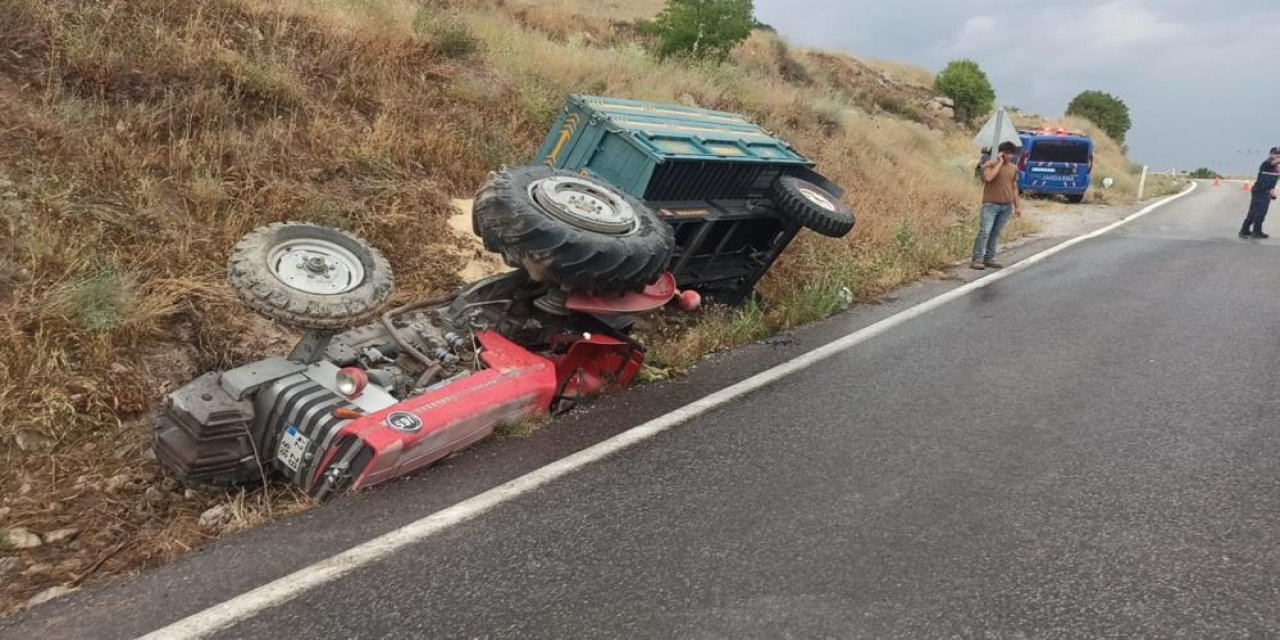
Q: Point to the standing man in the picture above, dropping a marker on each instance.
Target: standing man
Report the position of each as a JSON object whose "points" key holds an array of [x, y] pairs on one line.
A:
{"points": [[999, 202], [1264, 191]]}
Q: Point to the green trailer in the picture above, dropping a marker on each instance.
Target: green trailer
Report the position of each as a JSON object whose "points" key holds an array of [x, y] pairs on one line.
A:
{"points": [[734, 194]]}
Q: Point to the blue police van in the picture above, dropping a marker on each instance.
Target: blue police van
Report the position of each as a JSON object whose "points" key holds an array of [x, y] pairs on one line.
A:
{"points": [[1055, 162]]}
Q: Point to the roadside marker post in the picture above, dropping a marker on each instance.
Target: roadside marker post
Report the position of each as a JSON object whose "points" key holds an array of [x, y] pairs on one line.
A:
{"points": [[1000, 128]]}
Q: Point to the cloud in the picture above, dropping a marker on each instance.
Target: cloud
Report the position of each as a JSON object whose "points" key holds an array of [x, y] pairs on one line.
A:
{"points": [[1102, 30], [1191, 71], [976, 33], [1120, 25]]}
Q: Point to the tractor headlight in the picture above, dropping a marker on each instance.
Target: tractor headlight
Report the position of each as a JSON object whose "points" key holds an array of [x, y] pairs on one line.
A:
{"points": [[352, 381]]}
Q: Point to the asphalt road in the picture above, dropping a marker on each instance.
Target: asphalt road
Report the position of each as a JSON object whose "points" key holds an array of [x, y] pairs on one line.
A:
{"points": [[1088, 448]]}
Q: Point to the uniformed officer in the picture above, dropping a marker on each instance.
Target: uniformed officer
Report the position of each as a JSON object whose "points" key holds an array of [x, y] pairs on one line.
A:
{"points": [[1264, 191]]}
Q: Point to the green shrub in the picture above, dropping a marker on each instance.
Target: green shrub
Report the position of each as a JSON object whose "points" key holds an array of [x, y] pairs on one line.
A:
{"points": [[899, 107], [96, 302], [264, 80], [449, 35], [1104, 110], [966, 83], [702, 29]]}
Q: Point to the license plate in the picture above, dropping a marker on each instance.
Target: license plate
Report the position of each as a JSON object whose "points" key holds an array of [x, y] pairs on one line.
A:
{"points": [[293, 445]]}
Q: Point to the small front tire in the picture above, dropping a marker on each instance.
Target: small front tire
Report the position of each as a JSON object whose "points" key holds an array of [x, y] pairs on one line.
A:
{"points": [[309, 277], [811, 206]]}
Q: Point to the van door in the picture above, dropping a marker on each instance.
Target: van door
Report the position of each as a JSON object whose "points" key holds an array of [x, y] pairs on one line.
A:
{"points": [[1057, 165]]}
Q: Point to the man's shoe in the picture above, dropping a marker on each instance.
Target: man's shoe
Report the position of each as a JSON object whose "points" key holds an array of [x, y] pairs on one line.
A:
{"points": [[1260, 235], [992, 264], [977, 266], [1246, 234]]}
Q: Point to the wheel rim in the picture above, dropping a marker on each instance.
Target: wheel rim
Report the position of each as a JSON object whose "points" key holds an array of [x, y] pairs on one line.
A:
{"points": [[818, 198], [316, 267], [584, 204]]}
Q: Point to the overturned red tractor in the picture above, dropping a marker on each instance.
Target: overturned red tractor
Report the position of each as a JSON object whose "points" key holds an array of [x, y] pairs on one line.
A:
{"points": [[633, 202]]}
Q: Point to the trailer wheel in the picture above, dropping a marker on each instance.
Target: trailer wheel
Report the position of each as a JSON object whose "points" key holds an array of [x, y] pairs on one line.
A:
{"points": [[309, 277], [811, 206], [571, 230]]}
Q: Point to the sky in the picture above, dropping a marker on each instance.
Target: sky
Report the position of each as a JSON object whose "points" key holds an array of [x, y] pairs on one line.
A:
{"points": [[1201, 77]]}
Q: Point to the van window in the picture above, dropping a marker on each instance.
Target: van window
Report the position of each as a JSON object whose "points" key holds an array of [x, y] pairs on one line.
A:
{"points": [[1060, 151]]}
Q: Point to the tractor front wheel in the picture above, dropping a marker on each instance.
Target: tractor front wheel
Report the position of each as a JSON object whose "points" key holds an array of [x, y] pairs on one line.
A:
{"points": [[309, 277]]}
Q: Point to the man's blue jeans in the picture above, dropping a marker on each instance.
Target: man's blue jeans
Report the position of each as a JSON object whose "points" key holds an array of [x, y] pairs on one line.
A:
{"points": [[994, 218]]}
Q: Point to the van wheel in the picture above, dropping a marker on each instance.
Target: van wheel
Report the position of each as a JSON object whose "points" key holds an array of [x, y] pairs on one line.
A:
{"points": [[1076, 199]]}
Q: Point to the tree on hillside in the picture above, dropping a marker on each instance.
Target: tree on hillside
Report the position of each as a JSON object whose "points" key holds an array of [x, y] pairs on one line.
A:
{"points": [[1204, 173], [966, 83], [704, 29], [1105, 110]]}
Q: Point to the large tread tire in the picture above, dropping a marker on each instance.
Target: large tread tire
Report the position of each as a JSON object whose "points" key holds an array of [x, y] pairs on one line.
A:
{"points": [[512, 224], [251, 276], [789, 195]]}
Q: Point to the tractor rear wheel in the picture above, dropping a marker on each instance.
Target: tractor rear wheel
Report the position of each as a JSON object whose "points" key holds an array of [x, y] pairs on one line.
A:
{"points": [[574, 231]]}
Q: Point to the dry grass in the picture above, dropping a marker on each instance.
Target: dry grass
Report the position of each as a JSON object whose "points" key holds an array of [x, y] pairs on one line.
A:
{"points": [[521, 428], [606, 22], [905, 73], [1159, 186], [140, 138], [598, 10]]}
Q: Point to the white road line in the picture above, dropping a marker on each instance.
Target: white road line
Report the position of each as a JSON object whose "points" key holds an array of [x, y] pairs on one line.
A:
{"points": [[279, 591]]}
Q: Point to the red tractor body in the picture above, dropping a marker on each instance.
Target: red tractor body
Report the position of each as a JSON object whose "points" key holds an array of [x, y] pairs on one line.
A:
{"points": [[296, 419], [514, 386]]}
